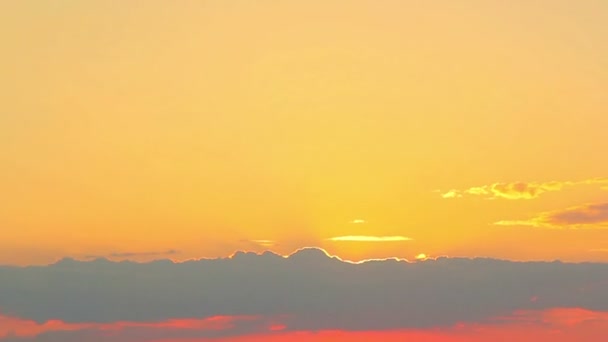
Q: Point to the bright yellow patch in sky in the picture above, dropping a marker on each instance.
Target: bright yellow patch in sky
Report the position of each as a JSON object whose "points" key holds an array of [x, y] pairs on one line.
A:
{"points": [[200, 126]]}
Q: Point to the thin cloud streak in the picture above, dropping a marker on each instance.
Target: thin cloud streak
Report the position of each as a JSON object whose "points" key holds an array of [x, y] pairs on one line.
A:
{"points": [[368, 238], [168, 252], [452, 194], [265, 243], [592, 215], [358, 221], [28, 328], [520, 190], [556, 324]]}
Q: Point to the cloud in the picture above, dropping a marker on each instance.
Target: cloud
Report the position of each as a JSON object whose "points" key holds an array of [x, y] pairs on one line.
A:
{"points": [[367, 238], [14, 329], [588, 214], [11, 326], [532, 223], [309, 290], [556, 325], [265, 243], [358, 221], [594, 215], [519, 190], [134, 254], [452, 194]]}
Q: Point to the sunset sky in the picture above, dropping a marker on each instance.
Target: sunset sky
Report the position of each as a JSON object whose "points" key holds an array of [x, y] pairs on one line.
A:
{"points": [[144, 130], [200, 125]]}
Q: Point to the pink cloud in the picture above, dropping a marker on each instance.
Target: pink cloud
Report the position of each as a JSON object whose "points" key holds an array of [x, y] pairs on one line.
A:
{"points": [[13, 326], [558, 325]]}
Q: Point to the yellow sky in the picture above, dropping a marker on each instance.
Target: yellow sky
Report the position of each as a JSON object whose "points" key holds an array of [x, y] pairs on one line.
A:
{"points": [[202, 125]]}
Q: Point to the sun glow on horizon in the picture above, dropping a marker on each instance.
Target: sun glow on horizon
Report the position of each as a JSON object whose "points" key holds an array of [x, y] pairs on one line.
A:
{"points": [[421, 256]]}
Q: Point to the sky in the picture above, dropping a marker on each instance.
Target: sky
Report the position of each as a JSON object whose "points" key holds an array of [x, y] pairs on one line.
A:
{"points": [[203, 125], [372, 129]]}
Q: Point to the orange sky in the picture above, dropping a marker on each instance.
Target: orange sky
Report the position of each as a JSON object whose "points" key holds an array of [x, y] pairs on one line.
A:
{"points": [[201, 126]]}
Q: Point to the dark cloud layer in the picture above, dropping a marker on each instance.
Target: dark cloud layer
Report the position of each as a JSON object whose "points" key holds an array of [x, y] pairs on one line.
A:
{"points": [[309, 289]]}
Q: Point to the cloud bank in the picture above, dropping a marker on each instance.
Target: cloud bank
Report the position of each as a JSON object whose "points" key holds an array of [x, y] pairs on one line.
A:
{"points": [[310, 290]]}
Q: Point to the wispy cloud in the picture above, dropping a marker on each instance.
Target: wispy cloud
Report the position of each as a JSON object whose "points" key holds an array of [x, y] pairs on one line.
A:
{"points": [[451, 194], [519, 190], [29, 328], [599, 250], [369, 238], [265, 243], [121, 255], [556, 324], [594, 215]]}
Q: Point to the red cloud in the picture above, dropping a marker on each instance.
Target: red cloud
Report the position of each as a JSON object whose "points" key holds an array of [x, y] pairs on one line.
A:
{"points": [[556, 325], [12, 326], [26, 328]]}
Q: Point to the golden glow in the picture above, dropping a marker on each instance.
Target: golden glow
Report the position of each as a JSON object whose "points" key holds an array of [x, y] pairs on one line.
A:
{"points": [[421, 256], [265, 243]]}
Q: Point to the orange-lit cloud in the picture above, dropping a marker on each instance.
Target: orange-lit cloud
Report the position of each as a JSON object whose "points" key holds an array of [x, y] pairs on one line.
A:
{"points": [[519, 190], [452, 194], [594, 215], [369, 238], [566, 316], [555, 324], [11, 326], [265, 243]]}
